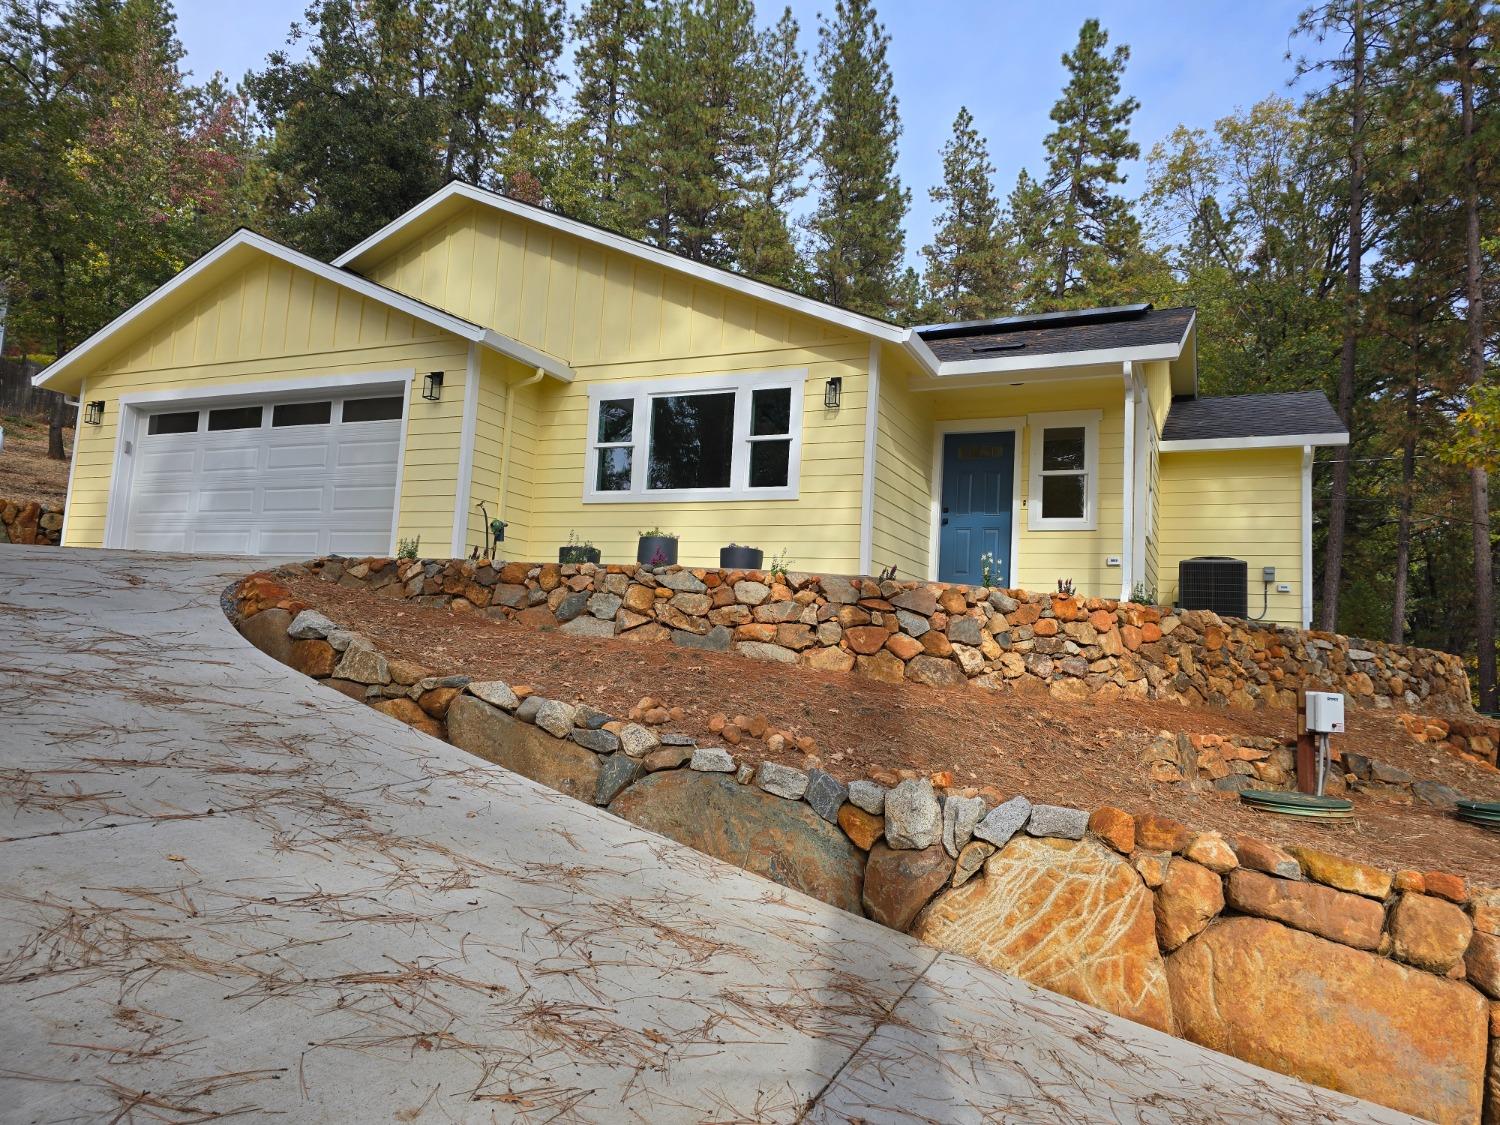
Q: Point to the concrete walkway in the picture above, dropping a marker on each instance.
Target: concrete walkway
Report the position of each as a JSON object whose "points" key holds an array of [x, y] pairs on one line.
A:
{"points": [[226, 891]]}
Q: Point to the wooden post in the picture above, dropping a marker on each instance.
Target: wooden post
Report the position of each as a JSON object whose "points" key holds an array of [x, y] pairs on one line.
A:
{"points": [[1307, 749]]}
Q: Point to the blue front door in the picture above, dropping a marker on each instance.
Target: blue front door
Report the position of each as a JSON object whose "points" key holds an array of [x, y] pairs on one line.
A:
{"points": [[978, 489]]}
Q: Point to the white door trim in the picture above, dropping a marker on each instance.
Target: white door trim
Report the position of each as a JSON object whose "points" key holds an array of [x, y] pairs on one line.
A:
{"points": [[940, 431], [133, 408]]}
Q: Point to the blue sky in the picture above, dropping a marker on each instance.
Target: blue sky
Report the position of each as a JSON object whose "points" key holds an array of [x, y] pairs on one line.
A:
{"points": [[1191, 63]]}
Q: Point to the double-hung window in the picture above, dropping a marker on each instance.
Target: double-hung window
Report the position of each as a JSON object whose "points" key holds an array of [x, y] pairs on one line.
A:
{"points": [[724, 437], [1064, 471]]}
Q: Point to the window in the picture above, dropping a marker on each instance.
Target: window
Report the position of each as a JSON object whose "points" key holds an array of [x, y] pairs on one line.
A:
{"points": [[178, 422], [372, 409], [301, 413], [714, 438], [1064, 471], [235, 418]]}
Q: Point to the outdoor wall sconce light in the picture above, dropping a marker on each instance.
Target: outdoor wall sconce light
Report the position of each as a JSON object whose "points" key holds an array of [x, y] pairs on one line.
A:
{"points": [[93, 413], [833, 390], [432, 386]]}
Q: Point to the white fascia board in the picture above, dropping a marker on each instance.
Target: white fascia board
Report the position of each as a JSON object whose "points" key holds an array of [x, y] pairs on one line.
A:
{"points": [[1279, 441], [416, 309], [1059, 360], [526, 354], [663, 258]]}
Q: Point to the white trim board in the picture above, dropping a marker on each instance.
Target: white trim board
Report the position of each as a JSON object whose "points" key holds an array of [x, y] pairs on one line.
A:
{"points": [[1225, 445], [1307, 536], [940, 432], [867, 483], [463, 486], [243, 240], [134, 407]]}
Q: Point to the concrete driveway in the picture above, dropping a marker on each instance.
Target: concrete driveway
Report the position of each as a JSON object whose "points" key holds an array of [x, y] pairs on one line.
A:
{"points": [[226, 891]]}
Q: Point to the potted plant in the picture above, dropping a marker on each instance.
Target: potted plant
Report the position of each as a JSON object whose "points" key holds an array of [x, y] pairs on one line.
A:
{"points": [[735, 557], [656, 548], [576, 552]]}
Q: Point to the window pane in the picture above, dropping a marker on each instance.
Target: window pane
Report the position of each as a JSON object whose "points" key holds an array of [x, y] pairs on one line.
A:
{"points": [[615, 419], [372, 409], [768, 463], [1062, 497], [301, 413], [692, 441], [178, 422], [614, 469], [771, 412], [235, 418], [1063, 448]]}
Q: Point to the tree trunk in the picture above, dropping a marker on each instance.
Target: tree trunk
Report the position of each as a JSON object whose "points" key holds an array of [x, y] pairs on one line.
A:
{"points": [[1338, 501], [1479, 484], [1403, 525]]}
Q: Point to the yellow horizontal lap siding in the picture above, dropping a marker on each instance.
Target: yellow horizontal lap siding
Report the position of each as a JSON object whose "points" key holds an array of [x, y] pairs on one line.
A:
{"points": [[902, 513], [1046, 556], [1245, 504], [615, 318], [272, 323]]}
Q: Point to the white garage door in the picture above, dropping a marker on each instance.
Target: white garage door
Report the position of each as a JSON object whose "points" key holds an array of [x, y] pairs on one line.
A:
{"points": [[274, 477]]}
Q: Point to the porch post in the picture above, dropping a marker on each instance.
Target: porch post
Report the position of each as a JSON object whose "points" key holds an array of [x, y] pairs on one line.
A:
{"points": [[1127, 477]]}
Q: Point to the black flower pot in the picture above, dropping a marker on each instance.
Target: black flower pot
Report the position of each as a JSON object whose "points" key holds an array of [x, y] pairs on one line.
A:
{"points": [[735, 557], [656, 550], [578, 554]]}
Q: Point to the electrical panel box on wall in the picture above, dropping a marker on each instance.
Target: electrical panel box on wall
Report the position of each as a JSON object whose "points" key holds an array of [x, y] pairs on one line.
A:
{"points": [[1325, 712]]}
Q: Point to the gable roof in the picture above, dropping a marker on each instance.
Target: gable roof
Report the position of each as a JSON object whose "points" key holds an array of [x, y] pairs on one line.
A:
{"points": [[1292, 418], [1085, 330], [228, 257], [448, 200]]}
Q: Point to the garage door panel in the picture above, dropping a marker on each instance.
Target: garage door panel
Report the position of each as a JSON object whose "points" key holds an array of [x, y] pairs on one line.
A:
{"points": [[290, 490]]}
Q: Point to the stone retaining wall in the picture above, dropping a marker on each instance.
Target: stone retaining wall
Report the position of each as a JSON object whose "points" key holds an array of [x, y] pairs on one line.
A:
{"points": [[931, 633], [31, 521], [1385, 985]]}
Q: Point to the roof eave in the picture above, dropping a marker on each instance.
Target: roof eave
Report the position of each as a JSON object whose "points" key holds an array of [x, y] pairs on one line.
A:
{"points": [[1269, 441]]}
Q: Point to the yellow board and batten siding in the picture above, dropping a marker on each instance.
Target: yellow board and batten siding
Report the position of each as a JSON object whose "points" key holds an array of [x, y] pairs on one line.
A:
{"points": [[271, 323], [1246, 504], [615, 318]]}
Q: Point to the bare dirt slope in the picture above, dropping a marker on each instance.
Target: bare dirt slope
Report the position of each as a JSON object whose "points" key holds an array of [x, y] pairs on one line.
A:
{"points": [[1020, 742], [26, 472]]}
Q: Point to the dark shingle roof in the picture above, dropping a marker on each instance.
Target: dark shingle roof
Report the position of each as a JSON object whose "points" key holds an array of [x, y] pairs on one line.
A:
{"points": [[1054, 333], [1246, 416]]}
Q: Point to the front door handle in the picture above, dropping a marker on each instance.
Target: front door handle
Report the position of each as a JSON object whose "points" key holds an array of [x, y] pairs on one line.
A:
{"points": [[945, 521]]}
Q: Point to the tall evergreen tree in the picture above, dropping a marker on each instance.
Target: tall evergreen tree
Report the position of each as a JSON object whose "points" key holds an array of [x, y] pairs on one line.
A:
{"points": [[608, 34], [858, 242], [1093, 234], [469, 82], [782, 128], [352, 142], [532, 49], [687, 142], [968, 274]]}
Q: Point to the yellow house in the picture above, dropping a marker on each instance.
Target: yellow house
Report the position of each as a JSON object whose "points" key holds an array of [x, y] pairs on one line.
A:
{"points": [[480, 358]]}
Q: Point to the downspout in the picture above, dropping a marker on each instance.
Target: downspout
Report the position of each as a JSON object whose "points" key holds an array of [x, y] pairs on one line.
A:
{"points": [[1307, 537], [867, 485], [502, 509], [1127, 474]]}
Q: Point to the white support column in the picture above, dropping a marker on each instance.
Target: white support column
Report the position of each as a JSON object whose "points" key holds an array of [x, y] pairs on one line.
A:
{"points": [[1307, 535], [463, 489], [867, 483], [1127, 477]]}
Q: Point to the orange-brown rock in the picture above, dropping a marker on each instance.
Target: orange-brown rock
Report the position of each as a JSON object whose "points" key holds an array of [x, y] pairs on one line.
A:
{"points": [[1115, 827], [313, 657], [1046, 627], [903, 646], [408, 712], [1333, 1016], [1160, 833], [1068, 916], [861, 827], [898, 883], [435, 701], [1261, 856], [829, 659], [866, 640], [1429, 933], [1212, 851], [1344, 918], [1482, 964], [1451, 887], [1342, 874], [886, 666], [1189, 898]]}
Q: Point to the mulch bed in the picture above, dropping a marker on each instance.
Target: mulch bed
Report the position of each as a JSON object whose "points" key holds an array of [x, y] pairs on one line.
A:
{"points": [[1020, 741]]}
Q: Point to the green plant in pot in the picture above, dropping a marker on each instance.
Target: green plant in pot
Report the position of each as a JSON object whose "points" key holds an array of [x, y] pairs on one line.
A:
{"points": [[656, 548], [735, 557], [576, 552]]}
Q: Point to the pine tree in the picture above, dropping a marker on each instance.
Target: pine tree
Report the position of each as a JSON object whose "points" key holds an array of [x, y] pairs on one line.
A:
{"points": [[781, 133], [687, 143], [533, 41], [1092, 231], [608, 35], [857, 227], [469, 83], [968, 274]]}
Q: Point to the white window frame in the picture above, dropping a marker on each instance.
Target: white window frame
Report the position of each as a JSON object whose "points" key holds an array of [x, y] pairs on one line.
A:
{"points": [[643, 392], [1037, 425]]}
